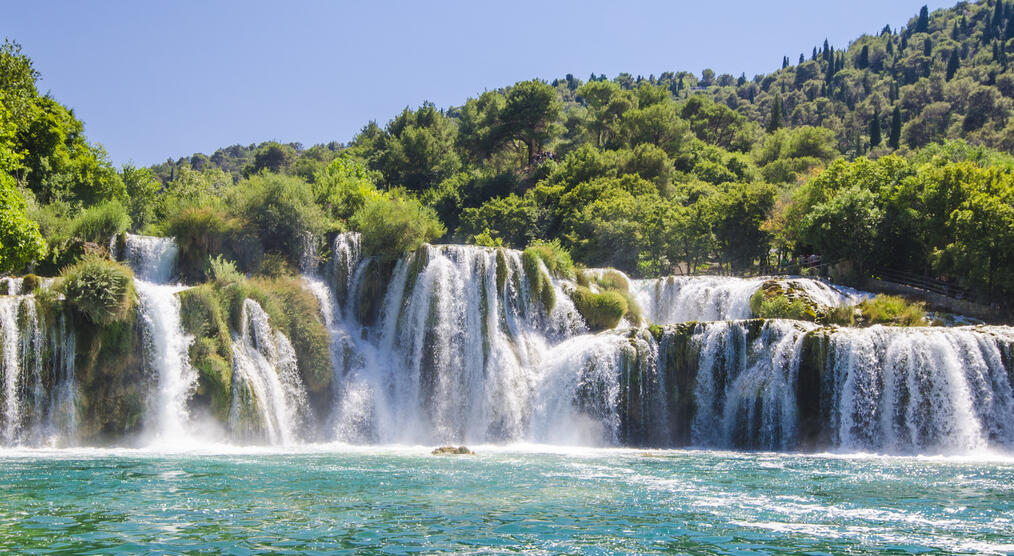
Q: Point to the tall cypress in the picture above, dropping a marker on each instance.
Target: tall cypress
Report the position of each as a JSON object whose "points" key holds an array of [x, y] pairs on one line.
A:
{"points": [[801, 58], [875, 137], [927, 48], [952, 64], [815, 54], [864, 57], [998, 14], [922, 26], [894, 141], [785, 62], [776, 115]]}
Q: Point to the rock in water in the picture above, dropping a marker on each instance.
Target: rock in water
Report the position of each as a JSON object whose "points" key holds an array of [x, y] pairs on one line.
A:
{"points": [[451, 450]]}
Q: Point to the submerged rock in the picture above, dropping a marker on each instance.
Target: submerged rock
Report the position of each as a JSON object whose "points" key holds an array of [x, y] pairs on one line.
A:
{"points": [[452, 451]]}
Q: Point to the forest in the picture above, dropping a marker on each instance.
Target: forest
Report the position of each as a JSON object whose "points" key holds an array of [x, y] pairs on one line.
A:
{"points": [[893, 153]]}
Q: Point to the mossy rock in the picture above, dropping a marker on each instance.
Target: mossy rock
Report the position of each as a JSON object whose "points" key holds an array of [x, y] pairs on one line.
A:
{"points": [[453, 451], [203, 318], [30, 283], [539, 283], [601, 311], [502, 270]]}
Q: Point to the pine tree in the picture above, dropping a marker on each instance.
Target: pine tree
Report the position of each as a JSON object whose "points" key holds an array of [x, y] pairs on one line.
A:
{"points": [[776, 115], [894, 141], [922, 26], [952, 64], [875, 137]]}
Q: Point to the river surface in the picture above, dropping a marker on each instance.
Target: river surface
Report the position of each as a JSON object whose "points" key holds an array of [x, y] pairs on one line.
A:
{"points": [[504, 499]]}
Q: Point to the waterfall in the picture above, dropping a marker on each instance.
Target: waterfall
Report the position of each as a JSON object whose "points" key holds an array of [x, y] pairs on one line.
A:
{"points": [[456, 351], [268, 399], [677, 299], [38, 391], [921, 390], [166, 345]]}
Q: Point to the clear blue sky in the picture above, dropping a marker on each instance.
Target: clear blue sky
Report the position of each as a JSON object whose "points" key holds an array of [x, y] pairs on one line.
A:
{"points": [[157, 80]]}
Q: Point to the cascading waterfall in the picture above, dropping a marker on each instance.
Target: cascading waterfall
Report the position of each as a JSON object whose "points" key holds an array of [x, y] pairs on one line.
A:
{"points": [[676, 299], [38, 394], [921, 390], [153, 259], [268, 399]]}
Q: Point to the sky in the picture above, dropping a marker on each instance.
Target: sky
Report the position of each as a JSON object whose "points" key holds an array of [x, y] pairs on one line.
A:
{"points": [[154, 81]]}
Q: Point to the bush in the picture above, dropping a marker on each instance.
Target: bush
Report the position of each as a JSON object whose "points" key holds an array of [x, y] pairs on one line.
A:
{"points": [[601, 311], [100, 289], [223, 271], [200, 233], [556, 258], [539, 283], [778, 307], [893, 310], [211, 353], [283, 212], [392, 225], [101, 222]]}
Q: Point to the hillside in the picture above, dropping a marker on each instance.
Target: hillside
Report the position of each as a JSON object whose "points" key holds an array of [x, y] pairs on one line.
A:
{"points": [[891, 153]]}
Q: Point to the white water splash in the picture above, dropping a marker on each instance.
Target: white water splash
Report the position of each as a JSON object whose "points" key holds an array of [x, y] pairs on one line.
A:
{"points": [[268, 398], [167, 346]]}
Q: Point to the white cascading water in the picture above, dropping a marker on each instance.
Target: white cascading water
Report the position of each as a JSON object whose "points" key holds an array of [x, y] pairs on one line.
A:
{"points": [[167, 346], [676, 299], [745, 391], [268, 398], [922, 390], [38, 394]]}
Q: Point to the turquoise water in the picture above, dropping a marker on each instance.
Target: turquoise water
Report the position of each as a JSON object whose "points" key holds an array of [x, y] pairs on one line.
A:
{"points": [[520, 499]]}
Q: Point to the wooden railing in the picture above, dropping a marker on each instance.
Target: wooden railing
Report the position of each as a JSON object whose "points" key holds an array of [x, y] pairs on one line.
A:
{"points": [[923, 283]]}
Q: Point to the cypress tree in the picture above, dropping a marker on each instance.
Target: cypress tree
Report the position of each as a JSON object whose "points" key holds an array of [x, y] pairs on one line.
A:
{"points": [[801, 58], [785, 62], [955, 32], [1008, 29], [922, 26], [827, 51], [952, 65], [815, 54], [998, 13], [927, 48], [864, 57], [904, 43], [895, 139], [776, 115], [875, 137]]}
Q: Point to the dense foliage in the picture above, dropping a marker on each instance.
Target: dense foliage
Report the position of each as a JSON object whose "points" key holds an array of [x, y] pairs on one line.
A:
{"points": [[889, 154]]}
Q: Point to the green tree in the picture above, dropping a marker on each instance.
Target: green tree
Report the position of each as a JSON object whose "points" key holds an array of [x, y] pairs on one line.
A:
{"points": [[894, 140], [142, 193], [21, 244], [875, 136], [530, 114]]}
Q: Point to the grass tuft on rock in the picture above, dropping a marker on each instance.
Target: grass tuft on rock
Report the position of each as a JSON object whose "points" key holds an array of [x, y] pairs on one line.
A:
{"points": [[99, 289], [602, 311]]}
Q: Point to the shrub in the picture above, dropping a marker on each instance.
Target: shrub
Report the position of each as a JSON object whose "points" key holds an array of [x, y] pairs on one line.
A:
{"points": [[100, 289], [612, 279], [392, 225], [211, 353], [893, 310], [224, 271], [200, 233], [283, 212], [539, 283], [30, 283], [601, 311], [275, 265], [778, 307], [556, 258], [101, 222]]}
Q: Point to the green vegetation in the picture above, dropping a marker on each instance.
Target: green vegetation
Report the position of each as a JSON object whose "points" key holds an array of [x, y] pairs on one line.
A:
{"points": [[778, 306], [553, 255], [99, 289], [883, 309], [890, 154], [601, 311]]}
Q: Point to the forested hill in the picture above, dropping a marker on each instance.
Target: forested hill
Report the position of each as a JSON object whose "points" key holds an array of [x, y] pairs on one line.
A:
{"points": [[945, 75], [892, 153]]}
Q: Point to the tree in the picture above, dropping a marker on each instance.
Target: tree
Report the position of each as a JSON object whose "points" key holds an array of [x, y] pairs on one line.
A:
{"points": [[775, 121], [922, 24], [844, 227], [529, 115], [142, 193], [894, 141], [953, 62], [875, 137], [20, 241], [417, 150]]}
